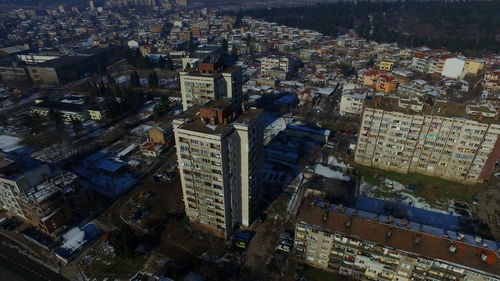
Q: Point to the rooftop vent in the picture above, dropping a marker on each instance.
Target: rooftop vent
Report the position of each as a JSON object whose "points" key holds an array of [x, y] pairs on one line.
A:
{"points": [[348, 222], [484, 256], [389, 233], [418, 240], [405, 222], [340, 208], [452, 248], [460, 236], [478, 239], [325, 216], [389, 219]]}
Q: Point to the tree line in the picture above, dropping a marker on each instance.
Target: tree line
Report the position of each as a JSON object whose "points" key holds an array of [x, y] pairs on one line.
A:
{"points": [[456, 26]]}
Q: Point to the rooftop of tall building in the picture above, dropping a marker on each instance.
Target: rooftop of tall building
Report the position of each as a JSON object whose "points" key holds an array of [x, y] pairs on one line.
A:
{"points": [[481, 114], [216, 117]]}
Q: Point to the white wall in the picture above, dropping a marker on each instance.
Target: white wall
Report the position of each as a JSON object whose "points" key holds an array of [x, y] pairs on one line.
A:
{"points": [[453, 68]]}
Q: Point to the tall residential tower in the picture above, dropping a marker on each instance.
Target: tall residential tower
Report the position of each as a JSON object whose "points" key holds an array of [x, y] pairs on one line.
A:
{"points": [[219, 150]]}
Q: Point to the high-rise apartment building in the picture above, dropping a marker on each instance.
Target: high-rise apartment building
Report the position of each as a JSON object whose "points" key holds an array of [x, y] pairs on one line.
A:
{"points": [[219, 151], [16, 178], [368, 246], [210, 82], [451, 141]]}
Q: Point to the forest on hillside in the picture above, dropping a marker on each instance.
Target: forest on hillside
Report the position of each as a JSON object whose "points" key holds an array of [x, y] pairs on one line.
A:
{"points": [[466, 27]]}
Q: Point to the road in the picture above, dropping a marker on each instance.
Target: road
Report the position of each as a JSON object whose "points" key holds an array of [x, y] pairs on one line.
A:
{"points": [[23, 266]]}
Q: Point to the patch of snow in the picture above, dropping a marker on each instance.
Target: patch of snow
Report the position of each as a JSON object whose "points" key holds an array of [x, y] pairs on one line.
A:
{"points": [[9, 143], [272, 130], [401, 193], [329, 173], [334, 162], [212, 127]]}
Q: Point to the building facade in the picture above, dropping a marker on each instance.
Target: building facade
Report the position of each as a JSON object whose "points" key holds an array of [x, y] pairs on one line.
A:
{"points": [[371, 247], [352, 102], [219, 150], [15, 178], [450, 141], [56, 204]]}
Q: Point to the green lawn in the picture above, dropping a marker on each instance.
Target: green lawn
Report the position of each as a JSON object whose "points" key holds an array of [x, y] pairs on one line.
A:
{"points": [[430, 188]]}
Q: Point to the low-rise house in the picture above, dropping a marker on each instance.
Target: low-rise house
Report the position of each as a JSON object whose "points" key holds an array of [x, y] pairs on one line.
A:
{"points": [[352, 101], [151, 149], [56, 204], [69, 111]]}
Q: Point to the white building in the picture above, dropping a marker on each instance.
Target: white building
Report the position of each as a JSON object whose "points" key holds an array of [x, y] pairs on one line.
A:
{"points": [[453, 68], [352, 102], [132, 44], [275, 63]]}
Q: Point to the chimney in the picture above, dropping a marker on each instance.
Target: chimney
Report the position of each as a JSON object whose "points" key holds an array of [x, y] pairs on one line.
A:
{"points": [[325, 216], [389, 219], [484, 256], [460, 236], [405, 222], [452, 248], [340, 208], [348, 222], [478, 239], [418, 240], [212, 121]]}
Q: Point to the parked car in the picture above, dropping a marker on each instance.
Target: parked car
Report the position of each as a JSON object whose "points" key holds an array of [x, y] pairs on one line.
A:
{"points": [[475, 199], [462, 205], [283, 248], [462, 212], [287, 242], [241, 244], [286, 235]]}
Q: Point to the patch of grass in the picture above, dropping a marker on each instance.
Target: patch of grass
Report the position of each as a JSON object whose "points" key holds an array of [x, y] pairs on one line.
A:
{"points": [[434, 190], [124, 268]]}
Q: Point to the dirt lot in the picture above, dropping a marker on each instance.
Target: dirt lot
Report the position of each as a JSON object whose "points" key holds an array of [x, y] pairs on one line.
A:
{"points": [[151, 201]]}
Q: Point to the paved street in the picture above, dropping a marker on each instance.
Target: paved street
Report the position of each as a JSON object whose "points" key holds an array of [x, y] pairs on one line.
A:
{"points": [[23, 266]]}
